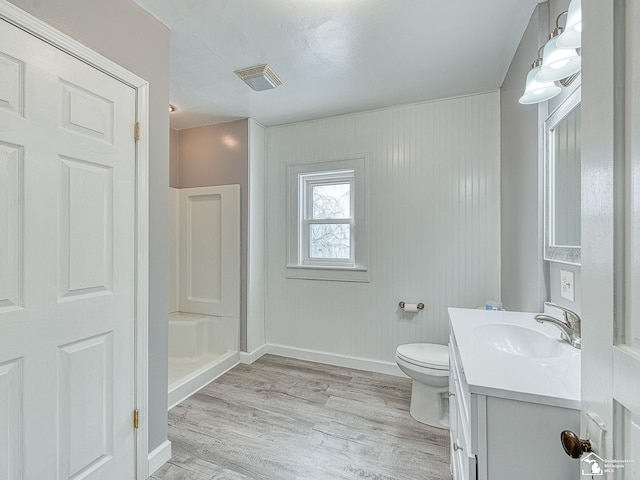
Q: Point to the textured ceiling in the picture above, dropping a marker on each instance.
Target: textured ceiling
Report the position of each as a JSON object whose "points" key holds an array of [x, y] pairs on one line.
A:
{"points": [[333, 56]]}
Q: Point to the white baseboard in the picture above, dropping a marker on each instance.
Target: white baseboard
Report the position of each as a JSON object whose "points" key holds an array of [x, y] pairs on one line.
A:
{"points": [[249, 358], [187, 386], [366, 364], [159, 456]]}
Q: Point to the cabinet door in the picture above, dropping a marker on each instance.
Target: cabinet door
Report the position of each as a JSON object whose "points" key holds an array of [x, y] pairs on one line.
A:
{"points": [[463, 460], [521, 440], [453, 428]]}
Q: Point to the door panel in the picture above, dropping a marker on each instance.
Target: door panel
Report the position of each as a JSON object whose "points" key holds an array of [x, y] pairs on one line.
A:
{"points": [[11, 187], [631, 442], [12, 79], [611, 233], [67, 205], [626, 352], [86, 113], [11, 419], [86, 228], [85, 383]]}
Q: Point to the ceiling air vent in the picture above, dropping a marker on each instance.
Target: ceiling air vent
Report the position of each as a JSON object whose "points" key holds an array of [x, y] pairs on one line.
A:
{"points": [[259, 77]]}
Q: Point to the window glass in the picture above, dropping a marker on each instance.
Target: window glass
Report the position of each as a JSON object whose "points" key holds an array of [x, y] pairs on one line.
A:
{"points": [[331, 201], [330, 241]]}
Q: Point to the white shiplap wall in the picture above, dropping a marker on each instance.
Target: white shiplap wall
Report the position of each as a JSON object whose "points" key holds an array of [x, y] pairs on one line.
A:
{"points": [[434, 200]]}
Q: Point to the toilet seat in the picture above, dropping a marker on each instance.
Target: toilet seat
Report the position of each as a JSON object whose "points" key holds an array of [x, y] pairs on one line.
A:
{"points": [[426, 355]]}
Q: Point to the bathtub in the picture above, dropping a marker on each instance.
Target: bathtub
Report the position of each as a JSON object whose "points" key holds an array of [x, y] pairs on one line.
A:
{"points": [[201, 348]]}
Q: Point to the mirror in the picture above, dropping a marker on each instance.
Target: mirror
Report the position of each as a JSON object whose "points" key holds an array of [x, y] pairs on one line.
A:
{"points": [[562, 182]]}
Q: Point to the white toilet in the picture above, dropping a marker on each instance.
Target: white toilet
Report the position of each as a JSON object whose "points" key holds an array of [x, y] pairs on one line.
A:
{"points": [[428, 365]]}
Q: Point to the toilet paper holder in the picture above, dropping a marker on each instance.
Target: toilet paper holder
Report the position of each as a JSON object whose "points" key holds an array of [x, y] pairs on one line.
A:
{"points": [[420, 305]]}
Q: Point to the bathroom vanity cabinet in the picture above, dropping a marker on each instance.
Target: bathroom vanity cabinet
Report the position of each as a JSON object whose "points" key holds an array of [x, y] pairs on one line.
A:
{"points": [[506, 422]]}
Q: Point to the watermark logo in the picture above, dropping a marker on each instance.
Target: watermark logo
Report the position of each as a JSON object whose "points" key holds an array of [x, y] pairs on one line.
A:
{"points": [[592, 464]]}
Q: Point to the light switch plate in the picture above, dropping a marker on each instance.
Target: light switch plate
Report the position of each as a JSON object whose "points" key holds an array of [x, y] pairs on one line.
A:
{"points": [[567, 285]]}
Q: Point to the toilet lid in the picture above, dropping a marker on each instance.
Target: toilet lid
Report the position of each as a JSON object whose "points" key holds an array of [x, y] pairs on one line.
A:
{"points": [[428, 355]]}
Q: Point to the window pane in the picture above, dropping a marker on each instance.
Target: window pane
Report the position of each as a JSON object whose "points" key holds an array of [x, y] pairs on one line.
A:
{"points": [[331, 241], [331, 201]]}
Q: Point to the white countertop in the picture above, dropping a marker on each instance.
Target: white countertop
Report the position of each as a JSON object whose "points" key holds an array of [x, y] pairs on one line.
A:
{"points": [[553, 380]]}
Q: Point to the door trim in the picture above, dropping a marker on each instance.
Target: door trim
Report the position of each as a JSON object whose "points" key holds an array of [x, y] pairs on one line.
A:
{"points": [[48, 34]]}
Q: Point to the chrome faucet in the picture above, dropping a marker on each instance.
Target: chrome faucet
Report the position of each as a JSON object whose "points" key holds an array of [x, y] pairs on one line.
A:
{"points": [[570, 327]]}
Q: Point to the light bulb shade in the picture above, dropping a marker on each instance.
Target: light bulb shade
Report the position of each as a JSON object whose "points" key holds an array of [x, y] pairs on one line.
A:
{"points": [[535, 91], [572, 35], [558, 63]]}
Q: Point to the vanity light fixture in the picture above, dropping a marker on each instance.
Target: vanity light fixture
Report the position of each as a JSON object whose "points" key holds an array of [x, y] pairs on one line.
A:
{"points": [[572, 35], [559, 65], [172, 108], [558, 62], [536, 91]]}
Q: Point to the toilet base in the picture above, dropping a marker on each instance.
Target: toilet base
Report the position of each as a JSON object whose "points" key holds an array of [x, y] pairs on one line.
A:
{"points": [[429, 405]]}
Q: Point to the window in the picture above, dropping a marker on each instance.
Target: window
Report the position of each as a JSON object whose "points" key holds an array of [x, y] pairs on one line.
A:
{"points": [[327, 229], [326, 218]]}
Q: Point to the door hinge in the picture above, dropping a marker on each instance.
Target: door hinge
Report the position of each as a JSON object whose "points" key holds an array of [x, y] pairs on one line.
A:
{"points": [[136, 131], [136, 418]]}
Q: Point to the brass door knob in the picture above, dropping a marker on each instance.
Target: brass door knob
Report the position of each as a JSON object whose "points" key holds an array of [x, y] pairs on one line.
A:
{"points": [[574, 446]]}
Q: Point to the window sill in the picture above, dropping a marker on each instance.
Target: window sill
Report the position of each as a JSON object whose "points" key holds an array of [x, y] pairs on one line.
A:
{"points": [[334, 273]]}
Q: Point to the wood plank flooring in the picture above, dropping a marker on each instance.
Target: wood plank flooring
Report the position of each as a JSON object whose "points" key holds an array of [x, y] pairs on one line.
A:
{"points": [[285, 419]]}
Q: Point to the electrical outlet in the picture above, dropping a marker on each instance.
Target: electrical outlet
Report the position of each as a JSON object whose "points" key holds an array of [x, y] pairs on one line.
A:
{"points": [[567, 285]]}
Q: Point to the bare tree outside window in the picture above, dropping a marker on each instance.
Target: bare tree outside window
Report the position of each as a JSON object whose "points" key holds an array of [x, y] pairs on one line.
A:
{"points": [[331, 240], [332, 201]]}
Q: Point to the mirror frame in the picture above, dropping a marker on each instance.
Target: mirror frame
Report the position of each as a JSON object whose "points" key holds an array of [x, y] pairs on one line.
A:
{"points": [[555, 253]]}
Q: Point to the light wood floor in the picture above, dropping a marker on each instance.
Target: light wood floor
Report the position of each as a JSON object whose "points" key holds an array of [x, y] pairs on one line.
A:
{"points": [[282, 419]]}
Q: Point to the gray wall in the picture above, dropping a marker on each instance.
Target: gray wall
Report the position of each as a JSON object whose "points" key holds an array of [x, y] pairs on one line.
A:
{"points": [[218, 155], [174, 173], [128, 35], [553, 280], [523, 279], [527, 280]]}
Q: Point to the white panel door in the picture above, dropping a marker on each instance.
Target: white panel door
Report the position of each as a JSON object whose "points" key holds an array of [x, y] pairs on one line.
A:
{"points": [[67, 172], [611, 238], [626, 350], [210, 250]]}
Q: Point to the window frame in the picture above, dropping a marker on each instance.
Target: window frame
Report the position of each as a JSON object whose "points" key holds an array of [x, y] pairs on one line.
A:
{"points": [[302, 178], [307, 183]]}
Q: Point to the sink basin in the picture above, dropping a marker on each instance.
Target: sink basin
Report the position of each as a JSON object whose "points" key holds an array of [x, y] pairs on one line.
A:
{"points": [[519, 341]]}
